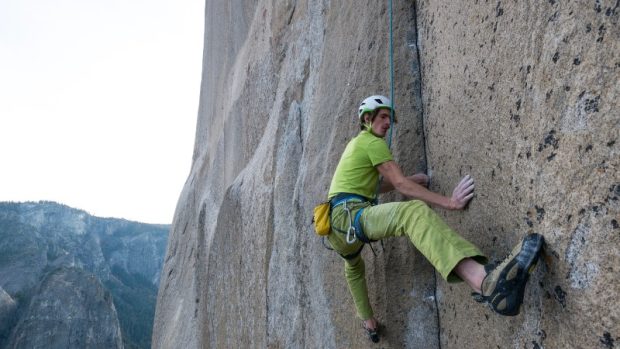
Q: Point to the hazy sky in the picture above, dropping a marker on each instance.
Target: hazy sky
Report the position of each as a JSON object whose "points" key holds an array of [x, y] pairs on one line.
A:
{"points": [[98, 103]]}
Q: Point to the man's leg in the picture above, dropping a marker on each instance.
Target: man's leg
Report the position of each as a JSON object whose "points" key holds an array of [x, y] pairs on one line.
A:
{"points": [[471, 272], [355, 273], [443, 247], [354, 268], [502, 286]]}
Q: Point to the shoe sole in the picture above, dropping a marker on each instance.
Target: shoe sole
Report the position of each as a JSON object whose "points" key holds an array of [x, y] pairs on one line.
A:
{"points": [[513, 291], [373, 335]]}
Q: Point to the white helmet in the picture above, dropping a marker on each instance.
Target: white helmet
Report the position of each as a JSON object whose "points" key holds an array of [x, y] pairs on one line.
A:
{"points": [[373, 103]]}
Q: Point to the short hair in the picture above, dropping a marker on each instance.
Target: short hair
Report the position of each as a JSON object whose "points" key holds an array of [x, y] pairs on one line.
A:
{"points": [[373, 115]]}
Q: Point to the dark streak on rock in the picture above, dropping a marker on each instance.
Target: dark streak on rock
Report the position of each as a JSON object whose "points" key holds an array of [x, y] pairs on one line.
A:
{"points": [[553, 17], [529, 222], [540, 213], [591, 104], [607, 340], [551, 140], [601, 33], [560, 296]]}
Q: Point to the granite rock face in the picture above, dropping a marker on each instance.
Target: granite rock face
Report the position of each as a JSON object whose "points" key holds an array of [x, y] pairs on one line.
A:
{"points": [[8, 307], [71, 309], [479, 89], [524, 96], [38, 239], [280, 88]]}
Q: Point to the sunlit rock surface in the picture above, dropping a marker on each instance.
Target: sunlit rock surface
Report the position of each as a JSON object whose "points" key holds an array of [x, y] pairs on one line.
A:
{"points": [[521, 96], [524, 96]]}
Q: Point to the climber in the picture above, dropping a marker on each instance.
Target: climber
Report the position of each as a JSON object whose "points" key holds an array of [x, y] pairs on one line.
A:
{"points": [[355, 220]]}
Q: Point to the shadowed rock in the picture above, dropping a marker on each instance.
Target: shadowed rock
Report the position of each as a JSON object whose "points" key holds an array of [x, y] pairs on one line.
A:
{"points": [[70, 310]]}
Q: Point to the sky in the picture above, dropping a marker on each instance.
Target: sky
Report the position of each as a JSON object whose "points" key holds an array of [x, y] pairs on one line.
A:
{"points": [[99, 102]]}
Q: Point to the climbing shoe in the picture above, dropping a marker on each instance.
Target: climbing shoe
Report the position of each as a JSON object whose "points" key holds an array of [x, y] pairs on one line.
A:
{"points": [[504, 285], [373, 334]]}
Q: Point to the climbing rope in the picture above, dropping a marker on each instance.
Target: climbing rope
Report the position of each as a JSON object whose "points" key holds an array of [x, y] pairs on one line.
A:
{"points": [[391, 89], [391, 78], [392, 109]]}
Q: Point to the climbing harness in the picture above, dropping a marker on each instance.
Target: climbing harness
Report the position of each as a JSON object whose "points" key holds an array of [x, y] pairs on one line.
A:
{"points": [[354, 231], [351, 232]]}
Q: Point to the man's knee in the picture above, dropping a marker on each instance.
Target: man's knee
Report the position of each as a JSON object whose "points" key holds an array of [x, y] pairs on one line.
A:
{"points": [[354, 263], [417, 207], [419, 204]]}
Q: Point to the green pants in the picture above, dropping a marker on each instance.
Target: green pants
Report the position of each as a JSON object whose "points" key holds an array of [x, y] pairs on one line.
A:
{"points": [[427, 231]]}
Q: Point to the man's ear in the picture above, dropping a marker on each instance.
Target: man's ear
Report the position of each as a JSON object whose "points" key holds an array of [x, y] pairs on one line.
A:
{"points": [[367, 118]]}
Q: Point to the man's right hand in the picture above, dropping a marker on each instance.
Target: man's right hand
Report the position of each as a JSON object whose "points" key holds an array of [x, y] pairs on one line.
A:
{"points": [[462, 193]]}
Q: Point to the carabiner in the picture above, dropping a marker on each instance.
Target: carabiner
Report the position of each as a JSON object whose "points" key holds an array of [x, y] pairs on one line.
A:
{"points": [[351, 226]]}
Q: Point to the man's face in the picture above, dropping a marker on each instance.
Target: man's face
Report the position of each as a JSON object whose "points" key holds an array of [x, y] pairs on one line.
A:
{"points": [[381, 124]]}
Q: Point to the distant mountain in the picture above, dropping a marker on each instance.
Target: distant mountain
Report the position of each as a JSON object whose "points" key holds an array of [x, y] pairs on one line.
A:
{"points": [[72, 280]]}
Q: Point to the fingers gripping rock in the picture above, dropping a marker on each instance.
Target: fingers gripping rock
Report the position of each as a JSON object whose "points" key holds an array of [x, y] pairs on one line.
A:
{"points": [[463, 192]]}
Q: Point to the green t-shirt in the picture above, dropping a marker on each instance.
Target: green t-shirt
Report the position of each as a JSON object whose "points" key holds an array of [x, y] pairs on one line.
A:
{"points": [[356, 172]]}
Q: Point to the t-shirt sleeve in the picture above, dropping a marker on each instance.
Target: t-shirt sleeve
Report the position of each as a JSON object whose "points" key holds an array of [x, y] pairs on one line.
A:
{"points": [[378, 152]]}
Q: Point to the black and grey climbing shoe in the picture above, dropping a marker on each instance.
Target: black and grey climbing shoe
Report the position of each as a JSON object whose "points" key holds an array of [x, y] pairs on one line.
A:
{"points": [[504, 285], [373, 334]]}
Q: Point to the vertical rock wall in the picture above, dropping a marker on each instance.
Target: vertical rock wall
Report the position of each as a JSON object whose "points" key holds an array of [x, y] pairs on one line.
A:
{"points": [[281, 83], [524, 96]]}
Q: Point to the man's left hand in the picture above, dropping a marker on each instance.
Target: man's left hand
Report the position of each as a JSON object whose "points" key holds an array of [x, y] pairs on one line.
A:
{"points": [[420, 178]]}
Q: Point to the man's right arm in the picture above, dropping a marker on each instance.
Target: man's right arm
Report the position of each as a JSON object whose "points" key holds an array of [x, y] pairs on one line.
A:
{"points": [[420, 178], [460, 196]]}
